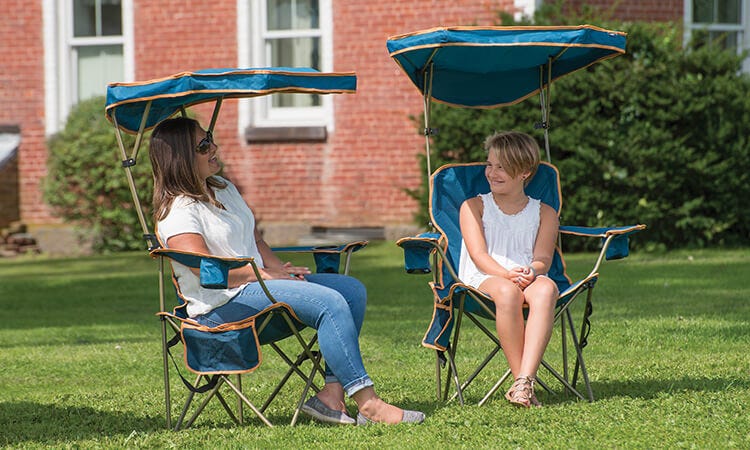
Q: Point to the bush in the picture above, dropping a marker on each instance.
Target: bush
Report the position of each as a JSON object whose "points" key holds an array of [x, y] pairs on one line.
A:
{"points": [[655, 136], [86, 184]]}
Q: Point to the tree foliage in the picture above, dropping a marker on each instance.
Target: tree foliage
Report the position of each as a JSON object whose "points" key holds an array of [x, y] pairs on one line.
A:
{"points": [[86, 184], [655, 136]]}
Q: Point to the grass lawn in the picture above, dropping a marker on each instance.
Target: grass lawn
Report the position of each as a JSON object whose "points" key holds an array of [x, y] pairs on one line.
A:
{"points": [[669, 360]]}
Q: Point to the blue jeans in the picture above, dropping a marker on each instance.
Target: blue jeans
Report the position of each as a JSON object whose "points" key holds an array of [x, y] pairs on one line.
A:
{"points": [[331, 303]]}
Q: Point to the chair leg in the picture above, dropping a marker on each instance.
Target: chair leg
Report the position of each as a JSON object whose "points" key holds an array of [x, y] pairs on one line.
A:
{"points": [[294, 367], [495, 387], [454, 376], [562, 380], [203, 404], [246, 401], [240, 409], [489, 356], [544, 386], [165, 363], [284, 379], [438, 370], [308, 384], [451, 354], [224, 403], [185, 407], [579, 359], [563, 335]]}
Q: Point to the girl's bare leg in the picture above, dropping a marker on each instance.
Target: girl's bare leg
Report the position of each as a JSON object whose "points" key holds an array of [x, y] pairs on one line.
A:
{"points": [[509, 321], [541, 296]]}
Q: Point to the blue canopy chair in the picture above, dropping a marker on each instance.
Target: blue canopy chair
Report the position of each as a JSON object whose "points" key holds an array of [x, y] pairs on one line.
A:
{"points": [[215, 354], [488, 67]]}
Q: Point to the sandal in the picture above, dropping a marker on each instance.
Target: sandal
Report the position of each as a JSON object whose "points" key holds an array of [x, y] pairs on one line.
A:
{"points": [[521, 393]]}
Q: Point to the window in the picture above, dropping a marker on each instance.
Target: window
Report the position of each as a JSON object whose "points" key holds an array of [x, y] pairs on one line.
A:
{"points": [[285, 33], [96, 46], [723, 23], [91, 45]]}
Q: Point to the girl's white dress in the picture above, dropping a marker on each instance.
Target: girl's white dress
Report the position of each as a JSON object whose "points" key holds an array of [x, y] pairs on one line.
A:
{"points": [[510, 239]]}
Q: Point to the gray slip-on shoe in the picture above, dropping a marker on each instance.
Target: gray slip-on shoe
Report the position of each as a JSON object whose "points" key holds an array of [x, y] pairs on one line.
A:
{"points": [[319, 411], [409, 417]]}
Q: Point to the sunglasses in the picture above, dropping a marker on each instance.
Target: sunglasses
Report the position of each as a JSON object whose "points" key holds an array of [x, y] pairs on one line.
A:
{"points": [[205, 144]]}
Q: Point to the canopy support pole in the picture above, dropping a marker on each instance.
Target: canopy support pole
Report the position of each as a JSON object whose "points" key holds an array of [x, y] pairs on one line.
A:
{"points": [[127, 164], [427, 103], [544, 101], [141, 128], [215, 115]]}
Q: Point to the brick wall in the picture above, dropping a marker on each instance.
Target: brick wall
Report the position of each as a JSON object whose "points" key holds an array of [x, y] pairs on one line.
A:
{"points": [[22, 99], [356, 178]]}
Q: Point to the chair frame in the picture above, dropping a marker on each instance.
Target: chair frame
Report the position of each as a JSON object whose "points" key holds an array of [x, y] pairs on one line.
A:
{"points": [[172, 321]]}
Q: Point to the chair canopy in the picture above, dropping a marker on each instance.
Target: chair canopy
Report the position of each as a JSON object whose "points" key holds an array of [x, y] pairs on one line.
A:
{"points": [[127, 103], [485, 67]]}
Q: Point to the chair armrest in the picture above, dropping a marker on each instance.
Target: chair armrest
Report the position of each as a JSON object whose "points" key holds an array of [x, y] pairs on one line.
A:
{"points": [[214, 270], [417, 251], [327, 257], [615, 240]]}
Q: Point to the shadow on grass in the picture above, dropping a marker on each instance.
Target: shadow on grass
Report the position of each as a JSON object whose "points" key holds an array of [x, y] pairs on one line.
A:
{"points": [[652, 388], [51, 425], [23, 422], [646, 389], [635, 389]]}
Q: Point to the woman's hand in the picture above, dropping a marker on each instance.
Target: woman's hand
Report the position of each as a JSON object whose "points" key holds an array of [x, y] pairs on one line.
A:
{"points": [[297, 272], [285, 272]]}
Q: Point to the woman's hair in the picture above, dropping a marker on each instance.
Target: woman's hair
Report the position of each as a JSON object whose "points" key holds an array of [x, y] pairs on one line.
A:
{"points": [[172, 153], [517, 152]]}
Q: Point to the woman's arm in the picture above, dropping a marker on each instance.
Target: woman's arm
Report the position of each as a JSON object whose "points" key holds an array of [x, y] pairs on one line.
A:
{"points": [[194, 243], [274, 264], [472, 230]]}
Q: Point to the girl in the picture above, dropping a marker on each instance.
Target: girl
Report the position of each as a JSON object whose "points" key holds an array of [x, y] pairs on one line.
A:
{"points": [[508, 243]]}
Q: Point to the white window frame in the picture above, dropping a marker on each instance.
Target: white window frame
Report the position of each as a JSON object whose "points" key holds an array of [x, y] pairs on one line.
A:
{"points": [[61, 79], [742, 29], [258, 112]]}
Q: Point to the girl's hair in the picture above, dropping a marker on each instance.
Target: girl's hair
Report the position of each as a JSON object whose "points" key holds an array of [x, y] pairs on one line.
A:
{"points": [[172, 153], [517, 152]]}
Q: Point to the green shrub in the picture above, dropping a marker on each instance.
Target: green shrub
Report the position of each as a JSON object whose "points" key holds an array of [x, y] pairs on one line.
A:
{"points": [[86, 184], [655, 136]]}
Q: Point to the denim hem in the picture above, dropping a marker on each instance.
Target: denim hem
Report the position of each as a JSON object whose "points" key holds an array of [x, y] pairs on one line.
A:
{"points": [[357, 385]]}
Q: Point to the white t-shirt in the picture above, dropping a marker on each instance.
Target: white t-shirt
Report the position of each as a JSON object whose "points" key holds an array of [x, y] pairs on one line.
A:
{"points": [[510, 239], [228, 232]]}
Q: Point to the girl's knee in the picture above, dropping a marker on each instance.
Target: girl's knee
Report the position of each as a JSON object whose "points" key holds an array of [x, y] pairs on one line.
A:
{"points": [[548, 287], [543, 293], [505, 293]]}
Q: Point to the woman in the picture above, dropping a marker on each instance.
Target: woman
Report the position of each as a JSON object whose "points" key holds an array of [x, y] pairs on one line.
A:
{"points": [[508, 243], [197, 211]]}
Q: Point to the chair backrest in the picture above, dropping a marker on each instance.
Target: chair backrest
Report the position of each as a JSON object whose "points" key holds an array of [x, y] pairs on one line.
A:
{"points": [[452, 184]]}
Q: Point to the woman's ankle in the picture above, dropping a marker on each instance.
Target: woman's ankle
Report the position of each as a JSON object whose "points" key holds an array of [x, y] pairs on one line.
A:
{"points": [[332, 395], [377, 410]]}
